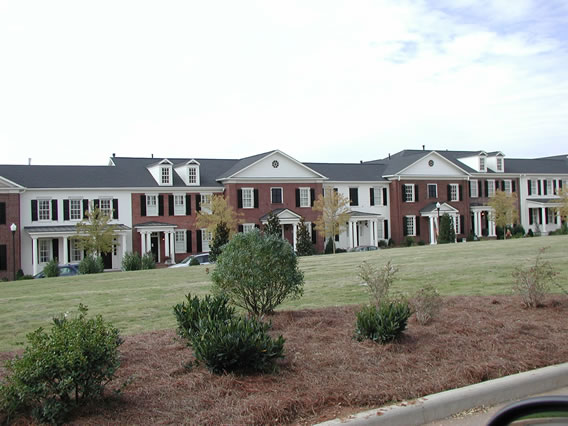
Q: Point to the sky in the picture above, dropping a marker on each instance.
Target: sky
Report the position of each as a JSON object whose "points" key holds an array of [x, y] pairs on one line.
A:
{"points": [[323, 81]]}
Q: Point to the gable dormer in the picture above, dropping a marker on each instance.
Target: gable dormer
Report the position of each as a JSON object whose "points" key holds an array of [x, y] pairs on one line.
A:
{"points": [[477, 161], [162, 172], [189, 172], [496, 162]]}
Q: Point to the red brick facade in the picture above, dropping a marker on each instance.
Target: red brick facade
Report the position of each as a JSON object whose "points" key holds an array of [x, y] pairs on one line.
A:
{"points": [[11, 207]]}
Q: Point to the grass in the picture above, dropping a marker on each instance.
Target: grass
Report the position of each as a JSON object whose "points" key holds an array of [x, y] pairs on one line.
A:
{"points": [[142, 301]]}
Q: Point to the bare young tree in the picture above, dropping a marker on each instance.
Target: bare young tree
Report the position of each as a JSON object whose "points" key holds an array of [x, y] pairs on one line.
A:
{"points": [[334, 213], [505, 211], [218, 211]]}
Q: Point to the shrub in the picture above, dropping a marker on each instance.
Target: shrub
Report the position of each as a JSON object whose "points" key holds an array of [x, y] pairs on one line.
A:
{"points": [[421, 243], [189, 315], [19, 274], [447, 232], [470, 237], [62, 368], [530, 233], [304, 246], [533, 283], [219, 240], [91, 265], [51, 268], [426, 304], [340, 250], [391, 242], [382, 244], [194, 262], [382, 323], [378, 280], [148, 262], [239, 345], [258, 272], [518, 231], [409, 241], [329, 246], [131, 261]]}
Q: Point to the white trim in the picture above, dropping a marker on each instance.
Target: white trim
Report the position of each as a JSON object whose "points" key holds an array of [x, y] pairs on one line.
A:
{"points": [[428, 190], [251, 198], [308, 189], [281, 194], [423, 158]]}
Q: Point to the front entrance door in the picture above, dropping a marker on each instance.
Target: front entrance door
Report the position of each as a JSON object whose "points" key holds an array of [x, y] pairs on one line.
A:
{"points": [[154, 246], [107, 260]]}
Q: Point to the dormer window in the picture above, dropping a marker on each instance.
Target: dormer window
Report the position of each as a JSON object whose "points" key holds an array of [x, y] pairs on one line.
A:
{"points": [[165, 175], [481, 164], [188, 171], [499, 164], [192, 175]]}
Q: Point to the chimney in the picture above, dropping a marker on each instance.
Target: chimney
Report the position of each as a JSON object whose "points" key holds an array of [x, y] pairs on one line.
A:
{"points": [[29, 161], [152, 155], [113, 155], [361, 161], [423, 147], [389, 155]]}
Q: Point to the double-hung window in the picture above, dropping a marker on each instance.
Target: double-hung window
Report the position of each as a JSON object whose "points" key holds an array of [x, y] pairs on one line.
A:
{"points": [[490, 187], [507, 186], [534, 186], [473, 189], [304, 197], [454, 192], [410, 225], [180, 244], [75, 209], [276, 195], [456, 220], [408, 193], [44, 248], [549, 187], [481, 164], [76, 254], [432, 190], [44, 209], [499, 164], [105, 206], [377, 196], [165, 175], [179, 205], [248, 227], [206, 238], [151, 205], [192, 175], [248, 198]]}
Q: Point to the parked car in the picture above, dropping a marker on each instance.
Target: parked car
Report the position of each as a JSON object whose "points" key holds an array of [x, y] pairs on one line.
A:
{"points": [[64, 271], [202, 258], [364, 248]]}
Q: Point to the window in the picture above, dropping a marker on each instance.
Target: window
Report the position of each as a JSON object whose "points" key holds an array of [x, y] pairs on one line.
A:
{"points": [[2, 213], [550, 216], [165, 174], [490, 187], [206, 238], [353, 196], [432, 190], [3, 258], [456, 221], [481, 164], [192, 175], [507, 186], [179, 205], [75, 254], [304, 197], [454, 192], [247, 227], [44, 209], [151, 205], [105, 206], [276, 195], [75, 209], [410, 228], [409, 193], [473, 189], [248, 198], [534, 187], [180, 245], [377, 196], [549, 190], [499, 164], [44, 250]]}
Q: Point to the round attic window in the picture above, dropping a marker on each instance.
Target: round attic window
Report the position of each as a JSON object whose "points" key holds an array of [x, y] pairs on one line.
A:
{"points": [[431, 163], [275, 164]]}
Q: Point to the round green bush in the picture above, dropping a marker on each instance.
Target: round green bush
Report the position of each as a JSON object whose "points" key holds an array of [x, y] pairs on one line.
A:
{"points": [[382, 323], [258, 272], [91, 265], [51, 268], [131, 261]]}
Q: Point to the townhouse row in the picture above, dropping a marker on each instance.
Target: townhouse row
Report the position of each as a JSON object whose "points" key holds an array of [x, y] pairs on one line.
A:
{"points": [[154, 202]]}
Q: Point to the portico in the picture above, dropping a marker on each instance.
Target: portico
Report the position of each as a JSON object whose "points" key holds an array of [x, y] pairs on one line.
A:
{"points": [[364, 229], [150, 241], [288, 219], [483, 223], [433, 212]]}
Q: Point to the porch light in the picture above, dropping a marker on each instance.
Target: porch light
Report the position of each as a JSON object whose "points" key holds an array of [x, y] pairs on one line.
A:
{"points": [[14, 228]]}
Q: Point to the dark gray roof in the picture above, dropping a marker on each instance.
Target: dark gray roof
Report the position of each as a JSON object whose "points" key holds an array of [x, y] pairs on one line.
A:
{"points": [[65, 228], [275, 212], [556, 157], [356, 213], [360, 172], [538, 165], [154, 223], [242, 163], [545, 200]]}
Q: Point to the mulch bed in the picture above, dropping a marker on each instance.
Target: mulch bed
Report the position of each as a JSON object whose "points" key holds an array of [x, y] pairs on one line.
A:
{"points": [[326, 373]]}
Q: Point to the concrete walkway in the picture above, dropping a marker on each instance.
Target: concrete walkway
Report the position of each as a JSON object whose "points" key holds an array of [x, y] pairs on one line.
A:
{"points": [[452, 407]]}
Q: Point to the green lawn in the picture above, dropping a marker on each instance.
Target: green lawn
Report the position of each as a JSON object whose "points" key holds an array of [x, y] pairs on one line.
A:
{"points": [[141, 301]]}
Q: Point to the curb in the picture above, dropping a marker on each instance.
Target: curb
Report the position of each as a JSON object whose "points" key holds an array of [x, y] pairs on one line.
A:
{"points": [[444, 404]]}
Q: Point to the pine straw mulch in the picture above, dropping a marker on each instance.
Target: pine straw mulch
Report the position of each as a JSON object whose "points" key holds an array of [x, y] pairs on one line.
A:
{"points": [[326, 373]]}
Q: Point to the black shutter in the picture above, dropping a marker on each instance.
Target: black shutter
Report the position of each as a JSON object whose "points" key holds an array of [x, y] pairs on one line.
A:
{"points": [[240, 228], [469, 187], [142, 205], [354, 196], [487, 188], [55, 251], [546, 215], [462, 224], [188, 204], [479, 189], [530, 216], [160, 205], [386, 221], [545, 187], [170, 205], [314, 238], [198, 240], [297, 197], [86, 208], [197, 202], [188, 242], [372, 196], [540, 216], [460, 193], [240, 198], [255, 194], [416, 197], [529, 186], [502, 185], [554, 186], [417, 219], [312, 196], [449, 192], [385, 197], [403, 193], [2, 213], [3, 258], [539, 187], [115, 208], [404, 227], [96, 203], [65, 209], [336, 237], [560, 183], [54, 215], [514, 186]]}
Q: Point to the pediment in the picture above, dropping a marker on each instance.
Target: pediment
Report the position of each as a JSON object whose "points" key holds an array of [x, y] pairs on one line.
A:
{"points": [[276, 166], [433, 164]]}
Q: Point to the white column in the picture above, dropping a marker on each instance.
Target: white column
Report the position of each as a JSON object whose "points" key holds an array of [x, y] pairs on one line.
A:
{"points": [[65, 251], [166, 243], [173, 246], [558, 219], [295, 233], [143, 242], [351, 232], [148, 242], [543, 209], [375, 225], [432, 231], [123, 244], [35, 255], [478, 224]]}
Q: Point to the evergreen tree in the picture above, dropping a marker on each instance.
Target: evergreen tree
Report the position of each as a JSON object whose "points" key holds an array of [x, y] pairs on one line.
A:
{"points": [[447, 232], [304, 246], [273, 226], [221, 238]]}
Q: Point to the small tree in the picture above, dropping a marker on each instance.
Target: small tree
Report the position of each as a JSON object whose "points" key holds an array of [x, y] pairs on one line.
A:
{"points": [[504, 209], [219, 240], [258, 272], [219, 210], [273, 226], [562, 210], [95, 234], [334, 213], [304, 246], [447, 231]]}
